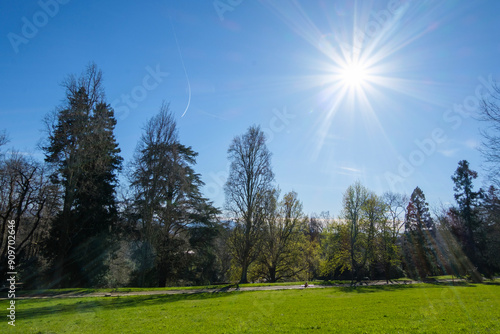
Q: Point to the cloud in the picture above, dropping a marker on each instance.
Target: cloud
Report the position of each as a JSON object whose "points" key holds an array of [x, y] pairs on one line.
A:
{"points": [[472, 144], [449, 153], [350, 169]]}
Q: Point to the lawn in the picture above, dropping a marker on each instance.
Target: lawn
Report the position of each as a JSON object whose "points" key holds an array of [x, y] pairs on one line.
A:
{"points": [[419, 308]]}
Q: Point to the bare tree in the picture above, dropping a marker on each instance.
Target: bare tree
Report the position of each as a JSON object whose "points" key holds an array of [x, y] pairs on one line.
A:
{"points": [[490, 113], [249, 181], [390, 230], [396, 206], [3, 138], [29, 199]]}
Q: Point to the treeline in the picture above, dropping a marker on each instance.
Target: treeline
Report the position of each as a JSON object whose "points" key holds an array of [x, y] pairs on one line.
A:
{"points": [[77, 227], [394, 236]]}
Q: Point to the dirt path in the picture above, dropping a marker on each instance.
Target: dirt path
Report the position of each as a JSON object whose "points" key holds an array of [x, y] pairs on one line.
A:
{"points": [[224, 289]]}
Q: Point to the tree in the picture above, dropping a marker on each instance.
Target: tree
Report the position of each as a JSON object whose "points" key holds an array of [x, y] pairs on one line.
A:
{"points": [[390, 231], [396, 205], [283, 238], [363, 240], [313, 232], [354, 200], [85, 158], [378, 244], [490, 113], [419, 233], [467, 213], [490, 212], [27, 198], [336, 249], [4, 139], [250, 179], [175, 225], [387, 250], [450, 249]]}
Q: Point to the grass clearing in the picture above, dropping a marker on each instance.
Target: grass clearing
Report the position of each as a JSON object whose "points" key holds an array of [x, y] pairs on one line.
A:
{"points": [[418, 308]]}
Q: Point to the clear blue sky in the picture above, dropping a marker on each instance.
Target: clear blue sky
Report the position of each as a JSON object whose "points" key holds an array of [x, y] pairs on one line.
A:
{"points": [[377, 91]]}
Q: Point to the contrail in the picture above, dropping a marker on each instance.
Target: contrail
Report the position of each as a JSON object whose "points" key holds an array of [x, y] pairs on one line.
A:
{"points": [[183, 66]]}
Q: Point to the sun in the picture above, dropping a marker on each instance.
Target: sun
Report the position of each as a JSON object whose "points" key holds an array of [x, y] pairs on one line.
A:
{"points": [[354, 74]]}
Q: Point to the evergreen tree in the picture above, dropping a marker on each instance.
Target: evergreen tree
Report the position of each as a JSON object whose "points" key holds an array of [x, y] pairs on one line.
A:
{"points": [[175, 224], [467, 224], [85, 156], [419, 237], [467, 211]]}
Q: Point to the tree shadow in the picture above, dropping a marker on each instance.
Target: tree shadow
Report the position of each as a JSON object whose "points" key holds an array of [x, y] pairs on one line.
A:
{"points": [[451, 283], [398, 287], [491, 283], [55, 292], [93, 304]]}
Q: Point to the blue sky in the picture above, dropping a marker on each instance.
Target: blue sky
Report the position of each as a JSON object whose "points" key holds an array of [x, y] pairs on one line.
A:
{"points": [[377, 91]]}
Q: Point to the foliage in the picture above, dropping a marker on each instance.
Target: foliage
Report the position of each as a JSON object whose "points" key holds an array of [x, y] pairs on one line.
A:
{"points": [[335, 246]]}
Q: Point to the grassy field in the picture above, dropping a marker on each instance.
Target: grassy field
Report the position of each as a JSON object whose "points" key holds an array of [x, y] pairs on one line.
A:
{"points": [[419, 308]]}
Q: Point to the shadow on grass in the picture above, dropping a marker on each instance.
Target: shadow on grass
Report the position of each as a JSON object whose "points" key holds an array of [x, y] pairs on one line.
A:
{"points": [[449, 283], [99, 304], [55, 292], [334, 282], [69, 292], [399, 287], [377, 288], [491, 283]]}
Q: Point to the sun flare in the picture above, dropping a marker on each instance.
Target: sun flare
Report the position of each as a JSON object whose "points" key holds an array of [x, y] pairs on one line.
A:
{"points": [[354, 74]]}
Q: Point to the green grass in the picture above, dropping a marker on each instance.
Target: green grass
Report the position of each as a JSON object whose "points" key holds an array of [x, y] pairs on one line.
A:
{"points": [[419, 308]]}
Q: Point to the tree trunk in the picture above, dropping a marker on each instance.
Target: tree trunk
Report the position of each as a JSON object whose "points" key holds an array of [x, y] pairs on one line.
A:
{"points": [[272, 274], [244, 271], [162, 279]]}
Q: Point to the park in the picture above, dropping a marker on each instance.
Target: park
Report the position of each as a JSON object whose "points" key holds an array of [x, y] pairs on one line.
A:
{"points": [[231, 166]]}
